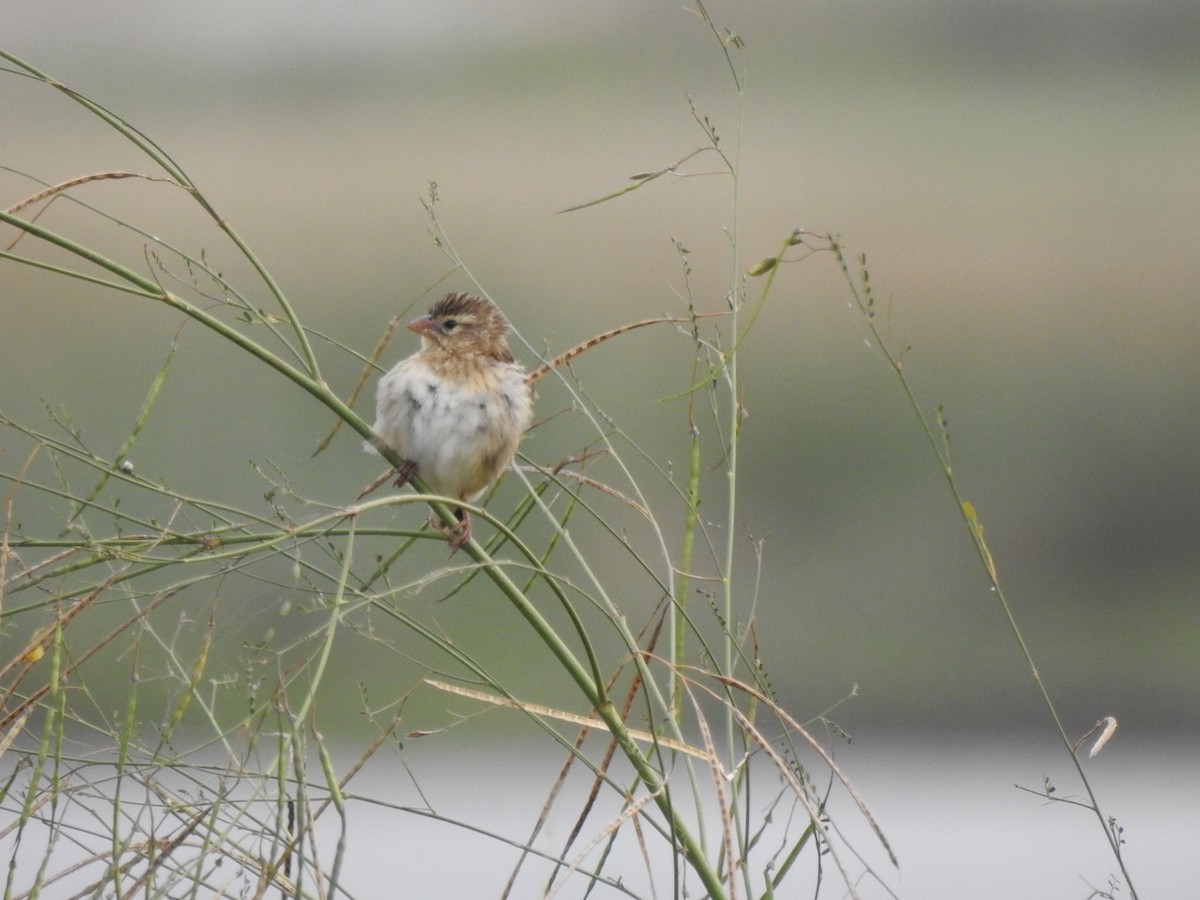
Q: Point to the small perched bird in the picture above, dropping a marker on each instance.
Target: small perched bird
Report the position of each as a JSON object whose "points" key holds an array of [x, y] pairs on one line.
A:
{"points": [[456, 409]]}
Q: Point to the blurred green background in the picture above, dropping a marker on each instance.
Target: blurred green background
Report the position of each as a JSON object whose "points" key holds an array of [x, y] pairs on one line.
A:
{"points": [[1022, 176]]}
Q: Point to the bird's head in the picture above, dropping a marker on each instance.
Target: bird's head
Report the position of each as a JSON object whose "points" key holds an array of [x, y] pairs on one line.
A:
{"points": [[464, 324]]}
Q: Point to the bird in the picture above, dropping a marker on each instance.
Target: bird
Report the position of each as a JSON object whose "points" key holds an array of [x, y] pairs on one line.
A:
{"points": [[455, 411]]}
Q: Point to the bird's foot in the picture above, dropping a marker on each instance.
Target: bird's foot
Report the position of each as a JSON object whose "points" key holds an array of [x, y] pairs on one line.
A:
{"points": [[457, 535], [405, 472]]}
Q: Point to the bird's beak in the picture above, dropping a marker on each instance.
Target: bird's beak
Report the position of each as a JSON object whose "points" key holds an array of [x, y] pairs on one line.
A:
{"points": [[423, 326]]}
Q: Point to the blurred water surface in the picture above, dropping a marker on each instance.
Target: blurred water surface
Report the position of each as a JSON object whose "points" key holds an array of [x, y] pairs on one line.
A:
{"points": [[440, 818], [948, 805]]}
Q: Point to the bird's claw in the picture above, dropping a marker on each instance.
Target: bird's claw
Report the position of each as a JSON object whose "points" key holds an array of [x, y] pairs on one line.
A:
{"points": [[462, 532], [458, 535], [405, 472]]}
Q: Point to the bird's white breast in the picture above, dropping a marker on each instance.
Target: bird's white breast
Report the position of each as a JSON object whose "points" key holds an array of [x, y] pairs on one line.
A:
{"points": [[461, 432]]}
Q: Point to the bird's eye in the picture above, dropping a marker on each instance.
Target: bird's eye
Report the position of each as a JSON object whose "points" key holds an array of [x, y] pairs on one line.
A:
{"points": [[450, 324]]}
